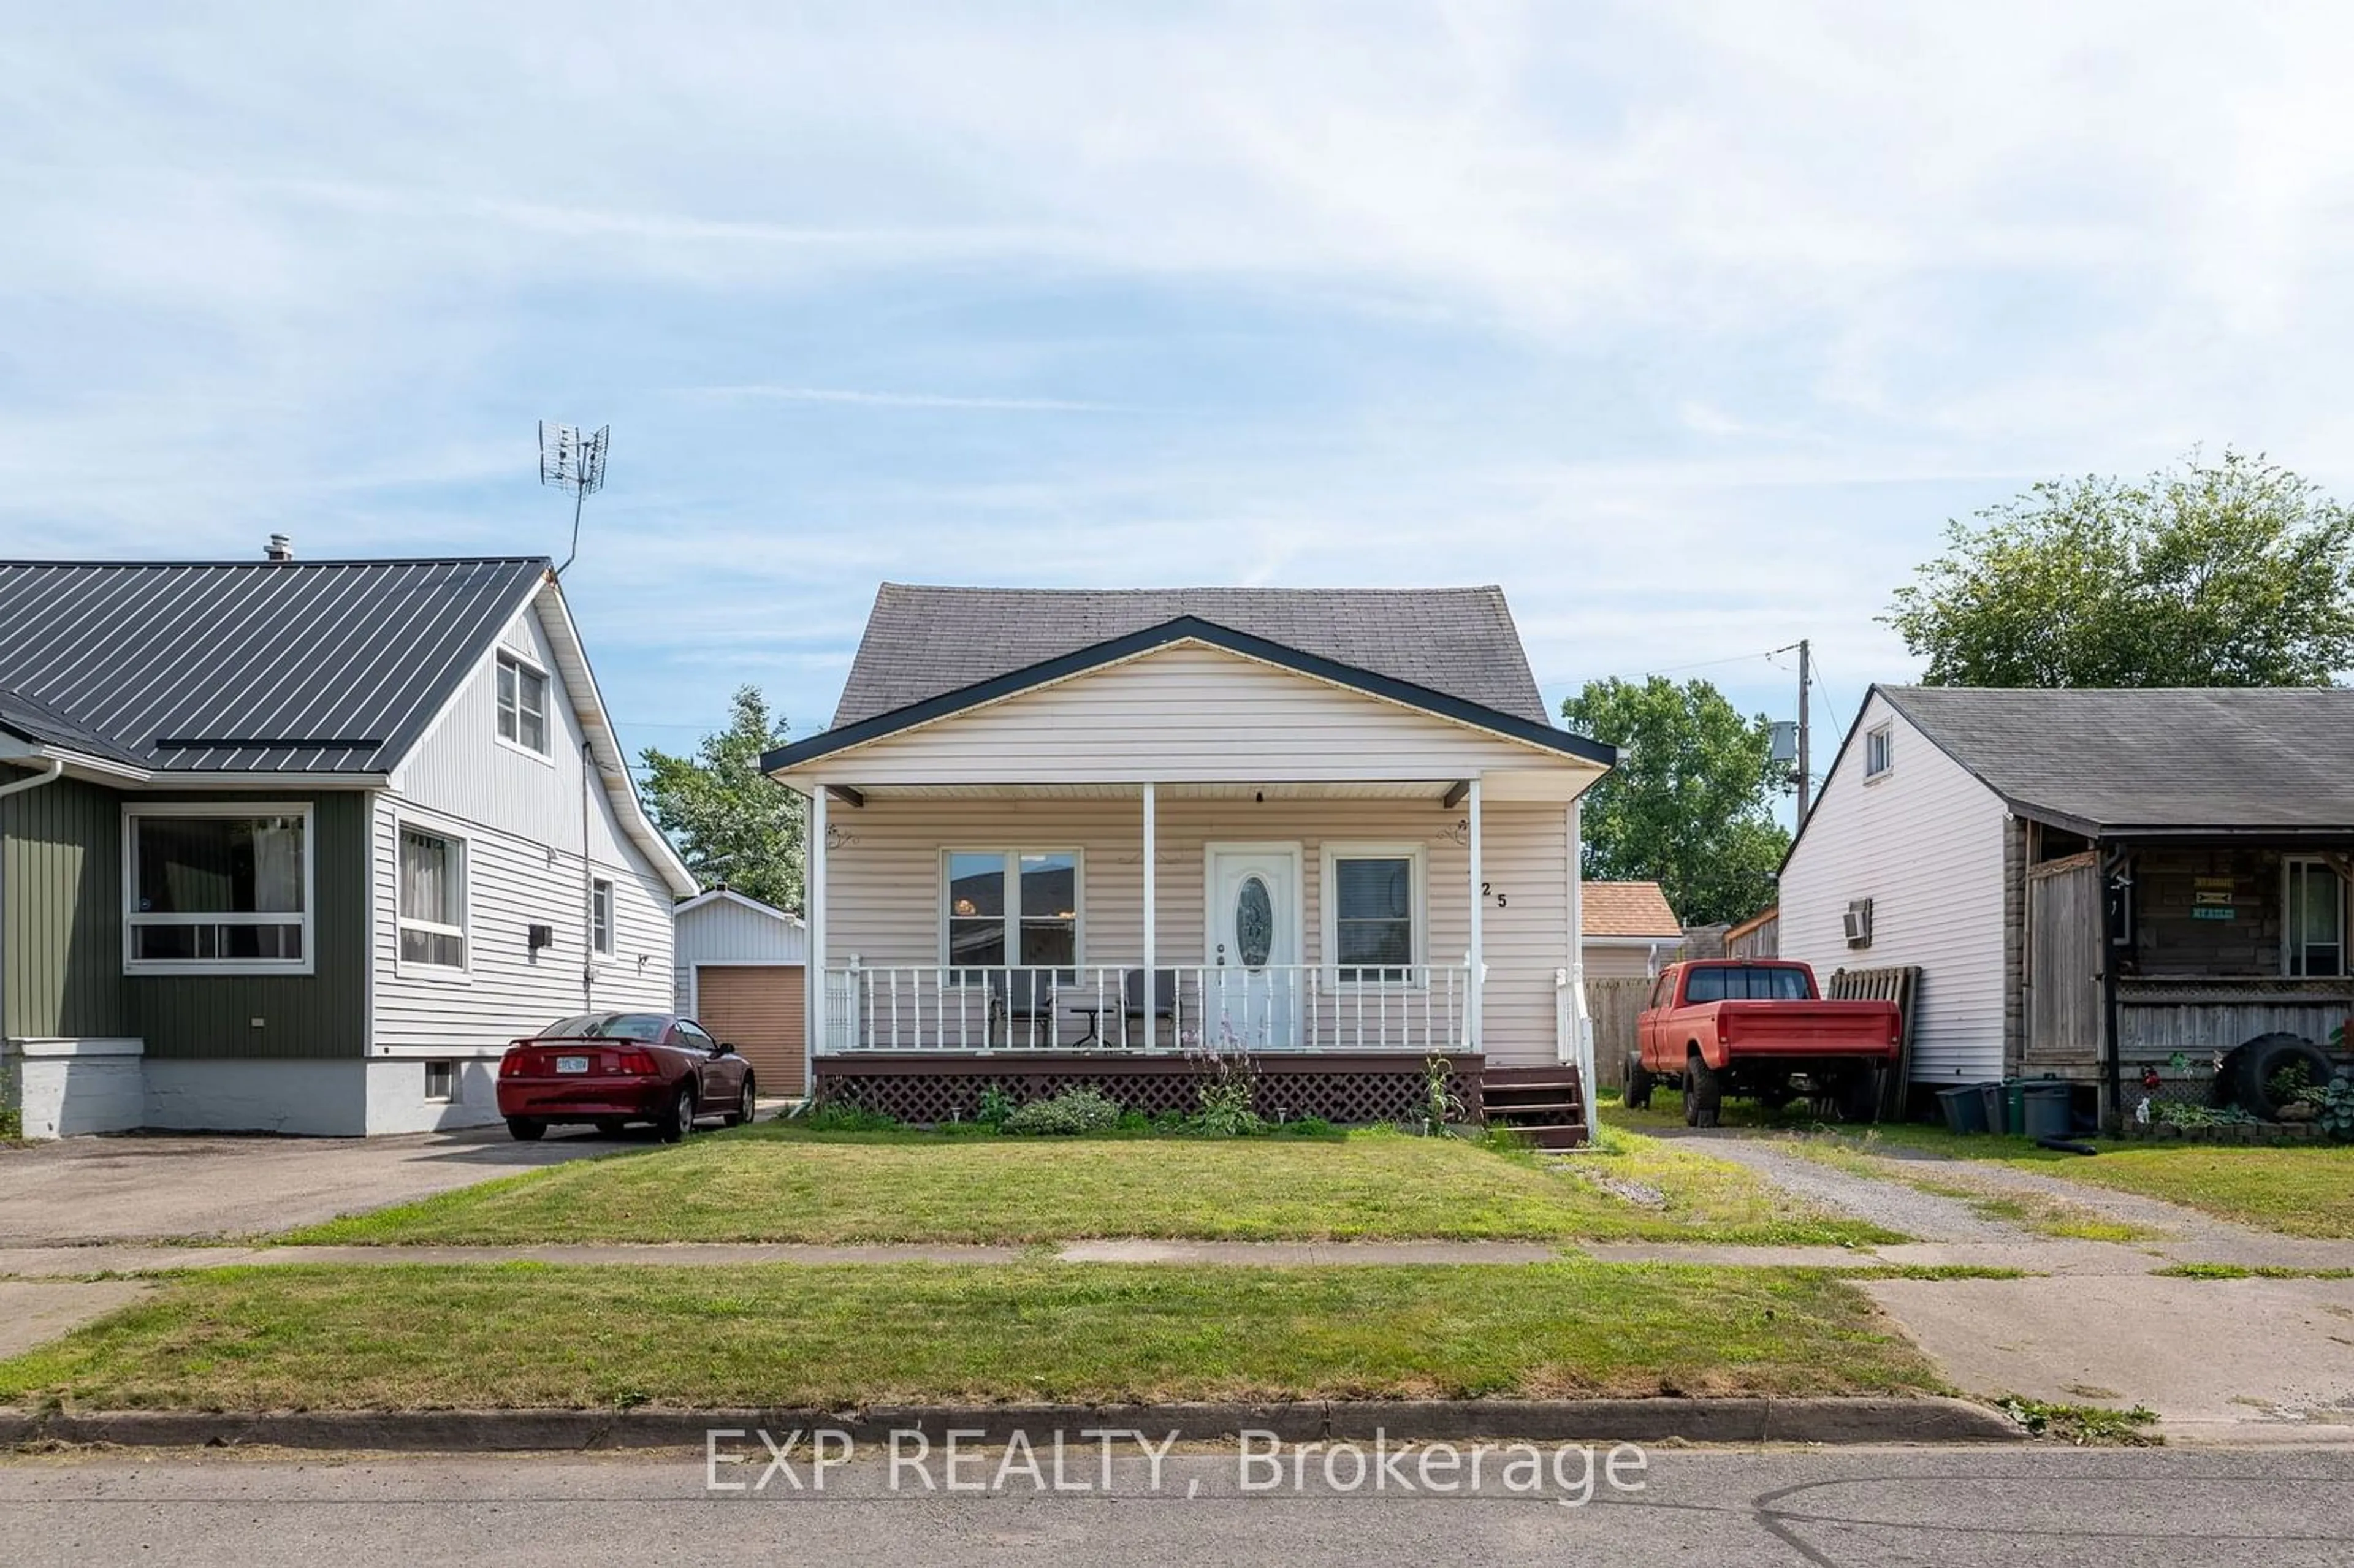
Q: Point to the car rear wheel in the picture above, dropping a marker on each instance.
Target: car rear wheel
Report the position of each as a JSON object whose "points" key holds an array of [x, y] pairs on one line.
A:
{"points": [[679, 1121], [1703, 1093], [747, 1105], [526, 1129]]}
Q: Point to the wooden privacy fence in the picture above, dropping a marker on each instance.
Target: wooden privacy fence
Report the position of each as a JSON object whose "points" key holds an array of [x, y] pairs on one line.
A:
{"points": [[1614, 1004], [1901, 986]]}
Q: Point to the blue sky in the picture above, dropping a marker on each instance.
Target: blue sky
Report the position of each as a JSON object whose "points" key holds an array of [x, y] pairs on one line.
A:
{"points": [[1690, 324]]}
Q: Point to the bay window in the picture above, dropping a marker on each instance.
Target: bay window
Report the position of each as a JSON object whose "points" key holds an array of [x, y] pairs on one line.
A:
{"points": [[216, 888]]}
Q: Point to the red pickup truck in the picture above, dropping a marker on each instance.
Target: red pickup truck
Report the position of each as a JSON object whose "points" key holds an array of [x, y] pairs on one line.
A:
{"points": [[1759, 1027]]}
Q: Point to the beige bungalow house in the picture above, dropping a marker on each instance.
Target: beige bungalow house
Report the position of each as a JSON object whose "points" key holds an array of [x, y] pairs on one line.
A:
{"points": [[1081, 836]]}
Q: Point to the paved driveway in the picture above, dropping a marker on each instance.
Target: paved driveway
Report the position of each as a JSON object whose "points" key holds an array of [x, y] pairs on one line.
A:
{"points": [[151, 1185]]}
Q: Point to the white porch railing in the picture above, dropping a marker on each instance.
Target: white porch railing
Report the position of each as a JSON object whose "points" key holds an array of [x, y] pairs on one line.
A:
{"points": [[1420, 1008]]}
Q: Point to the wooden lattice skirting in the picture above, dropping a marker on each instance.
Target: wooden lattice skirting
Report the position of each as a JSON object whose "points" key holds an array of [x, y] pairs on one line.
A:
{"points": [[928, 1088]]}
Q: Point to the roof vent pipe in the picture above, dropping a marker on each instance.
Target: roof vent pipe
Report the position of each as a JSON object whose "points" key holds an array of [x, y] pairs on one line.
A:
{"points": [[280, 548]]}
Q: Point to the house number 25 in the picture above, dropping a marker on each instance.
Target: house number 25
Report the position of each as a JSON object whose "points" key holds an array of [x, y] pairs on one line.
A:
{"points": [[1488, 890]]}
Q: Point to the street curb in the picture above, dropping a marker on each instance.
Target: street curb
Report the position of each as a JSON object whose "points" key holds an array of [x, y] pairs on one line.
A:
{"points": [[1737, 1421]]}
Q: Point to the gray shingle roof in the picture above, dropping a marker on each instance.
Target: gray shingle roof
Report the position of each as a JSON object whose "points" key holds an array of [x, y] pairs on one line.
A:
{"points": [[2224, 757], [924, 641], [310, 666]]}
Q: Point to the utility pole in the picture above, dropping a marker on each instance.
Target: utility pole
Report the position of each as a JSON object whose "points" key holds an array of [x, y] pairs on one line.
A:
{"points": [[1804, 674]]}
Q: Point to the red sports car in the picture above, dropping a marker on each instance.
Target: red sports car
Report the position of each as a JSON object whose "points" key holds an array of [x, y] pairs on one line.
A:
{"points": [[613, 1068]]}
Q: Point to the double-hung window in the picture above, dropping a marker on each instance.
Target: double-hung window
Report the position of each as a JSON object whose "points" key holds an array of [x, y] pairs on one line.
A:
{"points": [[216, 888], [1372, 911], [432, 899], [1878, 751], [2313, 929], [601, 916], [523, 704], [1011, 907]]}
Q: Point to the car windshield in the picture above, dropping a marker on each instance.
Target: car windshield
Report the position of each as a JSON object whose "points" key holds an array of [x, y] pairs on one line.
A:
{"points": [[609, 1026], [1747, 982]]}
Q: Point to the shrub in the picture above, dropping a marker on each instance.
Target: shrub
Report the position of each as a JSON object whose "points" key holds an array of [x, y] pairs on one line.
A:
{"points": [[2334, 1108], [845, 1116], [1065, 1114], [995, 1105], [2289, 1083], [1227, 1110], [12, 1112], [1306, 1127]]}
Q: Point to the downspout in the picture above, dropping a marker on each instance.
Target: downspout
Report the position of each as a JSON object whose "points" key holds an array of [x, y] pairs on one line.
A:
{"points": [[50, 772]]}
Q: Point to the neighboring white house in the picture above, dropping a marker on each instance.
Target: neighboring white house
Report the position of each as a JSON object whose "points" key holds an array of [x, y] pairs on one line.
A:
{"points": [[1629, 930], [742, 967], [1337, 828], [1905, 842], [300, 846]]}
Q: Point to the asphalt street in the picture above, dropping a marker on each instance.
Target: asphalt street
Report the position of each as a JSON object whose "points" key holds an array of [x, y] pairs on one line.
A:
{"points": [[1877, 1507]]}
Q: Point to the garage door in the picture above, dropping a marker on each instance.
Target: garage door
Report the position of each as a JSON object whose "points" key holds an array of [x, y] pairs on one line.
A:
{"points": [[757, 1009]]}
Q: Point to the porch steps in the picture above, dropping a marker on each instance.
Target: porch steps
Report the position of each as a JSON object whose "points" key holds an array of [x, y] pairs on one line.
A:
{"points": [[1546, 1103]]}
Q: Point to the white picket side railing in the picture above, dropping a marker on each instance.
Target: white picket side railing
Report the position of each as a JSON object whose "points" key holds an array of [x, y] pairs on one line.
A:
{"points": [[1277, 1007]]}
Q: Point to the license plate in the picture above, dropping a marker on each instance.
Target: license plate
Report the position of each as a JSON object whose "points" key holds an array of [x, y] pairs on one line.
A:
{"points": [[572, 1063]]}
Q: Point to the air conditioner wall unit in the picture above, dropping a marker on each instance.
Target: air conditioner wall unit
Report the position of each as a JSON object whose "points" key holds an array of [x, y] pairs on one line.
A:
{"points": [[1858, 923]]}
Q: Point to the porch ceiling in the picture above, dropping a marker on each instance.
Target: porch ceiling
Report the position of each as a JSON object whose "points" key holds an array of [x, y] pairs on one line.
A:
{"points": [[1345, 789]]}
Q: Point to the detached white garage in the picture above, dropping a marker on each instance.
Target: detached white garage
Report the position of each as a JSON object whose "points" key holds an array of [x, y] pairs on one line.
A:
{"points": [[742, 974]]}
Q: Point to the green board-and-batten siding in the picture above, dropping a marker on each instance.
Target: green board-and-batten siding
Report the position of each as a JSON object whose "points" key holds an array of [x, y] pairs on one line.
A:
{"points": [[61, 898], [63, 943]]}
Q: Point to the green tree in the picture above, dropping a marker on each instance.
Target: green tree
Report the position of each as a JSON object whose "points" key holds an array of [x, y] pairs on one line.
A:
{"points": [[731, 823], [2237, 573], [1690, 804]]}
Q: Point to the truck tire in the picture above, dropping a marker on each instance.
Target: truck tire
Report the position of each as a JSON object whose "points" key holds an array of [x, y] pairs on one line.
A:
{"points": [[1638, 1083], [1704, 1092], [2250, 1071], [1859, 1094]]}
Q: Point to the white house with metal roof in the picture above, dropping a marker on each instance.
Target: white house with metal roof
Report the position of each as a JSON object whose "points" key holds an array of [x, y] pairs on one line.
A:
{"points": [[1064, 836], [298, 846]]}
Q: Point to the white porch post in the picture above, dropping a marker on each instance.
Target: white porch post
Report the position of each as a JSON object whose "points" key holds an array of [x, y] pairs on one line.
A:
{"points": [[1479, 902], [1577, 1028], [815, 903], [1152, 908]]}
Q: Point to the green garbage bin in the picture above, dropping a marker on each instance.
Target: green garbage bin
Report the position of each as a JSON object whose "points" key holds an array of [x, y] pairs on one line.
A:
{"points": [[2047, 1110], [1965, 1109], [1992, 1093], [2014, 1106]]}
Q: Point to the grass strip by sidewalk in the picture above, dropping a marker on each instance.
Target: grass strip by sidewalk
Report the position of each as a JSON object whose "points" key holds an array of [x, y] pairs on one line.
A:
{"points": [[774, 1184], [2298, 1188], [528, 1335]]}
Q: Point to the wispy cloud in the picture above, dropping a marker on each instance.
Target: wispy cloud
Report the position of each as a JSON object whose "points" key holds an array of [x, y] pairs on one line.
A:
{"points": [[903, 400]]}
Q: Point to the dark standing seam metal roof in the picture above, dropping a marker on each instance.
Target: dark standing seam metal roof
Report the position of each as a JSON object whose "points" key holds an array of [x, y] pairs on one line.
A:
{"points": [[263, 666], [924, 641], [2229, 758]]}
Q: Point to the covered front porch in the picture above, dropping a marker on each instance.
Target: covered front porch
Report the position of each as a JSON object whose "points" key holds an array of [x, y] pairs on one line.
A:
{"points": [[1340, 934]]}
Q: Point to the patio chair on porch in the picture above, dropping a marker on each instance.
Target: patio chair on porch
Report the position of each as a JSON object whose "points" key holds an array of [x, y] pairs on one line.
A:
{"points": [[1022, 1007], [1165, 1003]]}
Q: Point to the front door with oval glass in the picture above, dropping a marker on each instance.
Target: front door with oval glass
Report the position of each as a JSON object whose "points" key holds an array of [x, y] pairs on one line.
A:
{"points": [[1250, 989]]}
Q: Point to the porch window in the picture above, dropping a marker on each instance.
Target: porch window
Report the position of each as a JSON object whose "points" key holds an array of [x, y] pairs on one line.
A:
{"points": [[216, 890], [432, 899], [1011, 906], [523, 704], [2313, 929], [1374, 902]]}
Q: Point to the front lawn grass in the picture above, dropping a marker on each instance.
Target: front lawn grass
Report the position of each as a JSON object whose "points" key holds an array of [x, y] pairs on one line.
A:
{"points": [[2296, 1189], [541, 1336], [781, 1184]]}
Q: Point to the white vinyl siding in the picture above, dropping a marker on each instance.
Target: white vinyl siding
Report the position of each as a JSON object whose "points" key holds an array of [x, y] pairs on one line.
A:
{"points": [[884, 882], [1925, 842], [1185, 713]]}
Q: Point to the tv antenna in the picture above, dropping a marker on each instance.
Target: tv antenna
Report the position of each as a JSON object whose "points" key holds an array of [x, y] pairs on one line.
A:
{"points": [[572, 461]]}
